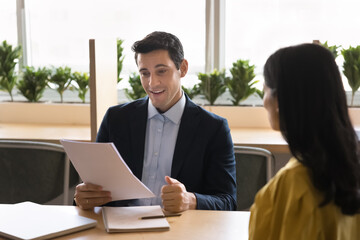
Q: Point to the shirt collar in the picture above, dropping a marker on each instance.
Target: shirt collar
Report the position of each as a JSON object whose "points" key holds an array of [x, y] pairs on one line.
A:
{"points": [[174, 113]]}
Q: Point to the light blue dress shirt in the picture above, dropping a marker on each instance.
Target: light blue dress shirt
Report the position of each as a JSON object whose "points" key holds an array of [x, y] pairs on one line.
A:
{"points": [[160, 140]]}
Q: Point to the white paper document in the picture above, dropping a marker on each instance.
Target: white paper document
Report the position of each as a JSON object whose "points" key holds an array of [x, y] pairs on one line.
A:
{"points": [[101, 164], [128, 219]]}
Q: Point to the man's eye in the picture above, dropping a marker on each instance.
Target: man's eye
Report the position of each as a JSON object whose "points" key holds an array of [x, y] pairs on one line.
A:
{"points": [[144, 74], [162, 71]]}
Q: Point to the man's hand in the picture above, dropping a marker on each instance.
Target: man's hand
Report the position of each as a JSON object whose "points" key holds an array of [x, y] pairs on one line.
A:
{"points": [[88, 196], [175, 198]]}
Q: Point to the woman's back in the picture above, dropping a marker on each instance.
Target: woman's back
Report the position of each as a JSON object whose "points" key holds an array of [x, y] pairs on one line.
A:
{"points": [[288, 208]]}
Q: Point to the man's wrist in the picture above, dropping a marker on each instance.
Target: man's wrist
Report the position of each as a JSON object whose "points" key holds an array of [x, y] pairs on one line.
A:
{"points": [[193, 201]]}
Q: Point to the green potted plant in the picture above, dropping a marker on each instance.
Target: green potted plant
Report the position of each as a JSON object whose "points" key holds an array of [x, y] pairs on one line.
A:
{"points": [[352, 68], [61, 77], [333, 49], [8, 60], [240, 84], [137, 89], [212, 85], [120, 58], [82, 84], [260, 93], [191, 92], [33, 83]]}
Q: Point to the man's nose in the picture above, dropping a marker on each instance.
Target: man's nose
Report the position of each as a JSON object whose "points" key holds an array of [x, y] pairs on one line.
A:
{"points": [[154, 81]]}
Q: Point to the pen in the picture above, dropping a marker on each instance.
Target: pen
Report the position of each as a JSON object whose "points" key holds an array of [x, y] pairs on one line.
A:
{"points": [[161, 216]]}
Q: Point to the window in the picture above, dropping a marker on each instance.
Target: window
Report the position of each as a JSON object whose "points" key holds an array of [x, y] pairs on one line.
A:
{"points": [[257, 28], [60, 30], [8, 27]]}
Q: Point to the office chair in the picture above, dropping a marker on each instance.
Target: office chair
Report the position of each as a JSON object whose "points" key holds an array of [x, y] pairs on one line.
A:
{"points": [[254, 168], [34, 171]]}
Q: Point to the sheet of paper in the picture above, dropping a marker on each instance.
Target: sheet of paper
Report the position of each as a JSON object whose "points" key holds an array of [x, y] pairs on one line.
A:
{"points": [[128, 219], [101, 164]]}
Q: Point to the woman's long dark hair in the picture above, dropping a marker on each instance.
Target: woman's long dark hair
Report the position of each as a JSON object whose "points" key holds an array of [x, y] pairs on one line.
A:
{"points": [[314, 120]]}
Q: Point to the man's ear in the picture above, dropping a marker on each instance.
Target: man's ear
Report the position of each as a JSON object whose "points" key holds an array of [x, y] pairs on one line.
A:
{"points": [[183, 67]]}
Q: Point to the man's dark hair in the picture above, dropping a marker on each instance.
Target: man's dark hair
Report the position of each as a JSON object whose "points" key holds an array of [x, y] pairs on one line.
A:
{"points": [[314, 120], [160, 40]]}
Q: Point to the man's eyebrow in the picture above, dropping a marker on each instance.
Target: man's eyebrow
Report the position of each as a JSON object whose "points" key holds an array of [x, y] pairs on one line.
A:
{"points": [[161, 65], [156, 66]]}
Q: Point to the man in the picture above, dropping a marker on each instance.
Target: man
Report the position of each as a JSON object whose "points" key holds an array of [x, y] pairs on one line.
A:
{"points": [[181, 152]]}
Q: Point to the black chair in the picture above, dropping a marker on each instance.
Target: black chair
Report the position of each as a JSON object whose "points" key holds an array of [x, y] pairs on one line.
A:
{"points": [[35, 171], [254, 168]]}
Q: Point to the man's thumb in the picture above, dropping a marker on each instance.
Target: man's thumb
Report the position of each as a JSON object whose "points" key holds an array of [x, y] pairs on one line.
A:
{"points": [[170, 180]]}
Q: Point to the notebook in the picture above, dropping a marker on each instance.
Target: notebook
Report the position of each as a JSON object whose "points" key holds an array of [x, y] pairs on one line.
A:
{"points": [[128, 219], [29, 220]]}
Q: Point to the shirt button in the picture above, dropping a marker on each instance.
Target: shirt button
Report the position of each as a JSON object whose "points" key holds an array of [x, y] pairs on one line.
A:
{"points": [[159, 129], [156, 153]]}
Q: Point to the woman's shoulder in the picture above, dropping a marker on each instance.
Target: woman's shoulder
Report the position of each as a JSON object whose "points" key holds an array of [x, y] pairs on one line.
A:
{"points": [[293, 174], [292, 182]]}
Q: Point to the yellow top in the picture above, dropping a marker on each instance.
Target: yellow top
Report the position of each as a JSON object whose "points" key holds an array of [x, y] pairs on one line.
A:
{"points": [[287, 208]]}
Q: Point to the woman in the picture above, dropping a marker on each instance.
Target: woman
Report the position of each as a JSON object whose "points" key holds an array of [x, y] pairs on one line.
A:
{"points": [[317, 194]]}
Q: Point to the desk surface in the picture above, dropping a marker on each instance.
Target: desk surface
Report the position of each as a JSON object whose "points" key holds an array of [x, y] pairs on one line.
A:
{"points": [[260, 137], [192, 224]]}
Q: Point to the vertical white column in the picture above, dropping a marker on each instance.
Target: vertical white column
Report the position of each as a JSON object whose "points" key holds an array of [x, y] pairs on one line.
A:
{"points": [[103, 80], [215, 35], [21, 31]]}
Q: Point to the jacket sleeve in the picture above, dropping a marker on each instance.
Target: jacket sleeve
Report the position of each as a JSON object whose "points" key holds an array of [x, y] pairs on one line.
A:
{"points": [[220, 173]]}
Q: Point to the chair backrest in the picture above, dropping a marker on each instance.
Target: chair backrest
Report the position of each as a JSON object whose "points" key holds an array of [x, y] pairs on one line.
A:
{"points": [[254, 167], [34, 171]]}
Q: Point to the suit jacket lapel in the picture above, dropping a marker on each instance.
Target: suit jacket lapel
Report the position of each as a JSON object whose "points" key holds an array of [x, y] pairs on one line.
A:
{"points": [[137, 135], [187, 131]]}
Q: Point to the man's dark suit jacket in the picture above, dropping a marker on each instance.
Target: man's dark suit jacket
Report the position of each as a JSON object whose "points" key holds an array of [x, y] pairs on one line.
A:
{"points": [[203, 157]]}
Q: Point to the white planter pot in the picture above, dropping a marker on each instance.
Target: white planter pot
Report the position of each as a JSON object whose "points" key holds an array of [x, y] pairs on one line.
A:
{"points": [[242, 117], [256, 117], [45, 113]]}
